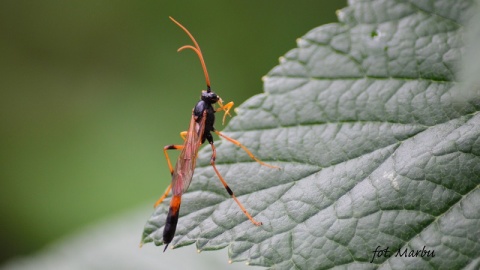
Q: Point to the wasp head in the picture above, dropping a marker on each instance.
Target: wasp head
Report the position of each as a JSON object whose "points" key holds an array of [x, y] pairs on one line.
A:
{"points": [[210, 97]]}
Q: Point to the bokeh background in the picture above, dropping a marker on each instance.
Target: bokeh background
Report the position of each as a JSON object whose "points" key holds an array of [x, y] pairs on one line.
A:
{"points": [[91, 91]]}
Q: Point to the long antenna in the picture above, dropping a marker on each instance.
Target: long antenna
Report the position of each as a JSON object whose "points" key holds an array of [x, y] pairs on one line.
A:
{"points": [[196, 49]]}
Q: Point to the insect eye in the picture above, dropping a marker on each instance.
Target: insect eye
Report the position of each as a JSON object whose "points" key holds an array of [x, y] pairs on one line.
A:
{"points": [[215, 98]]}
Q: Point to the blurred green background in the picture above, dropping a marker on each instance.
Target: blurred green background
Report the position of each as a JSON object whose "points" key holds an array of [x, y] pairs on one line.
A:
{"points": [[91, 91]]}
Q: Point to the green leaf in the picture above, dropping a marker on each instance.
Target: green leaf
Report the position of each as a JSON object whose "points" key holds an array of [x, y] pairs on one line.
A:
{"points": [[377, 144]]}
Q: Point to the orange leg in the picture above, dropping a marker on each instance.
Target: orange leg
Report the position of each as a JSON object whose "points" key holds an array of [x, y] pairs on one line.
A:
{"points": [[170, 147], [183, 134], [167, 191], [237, 143], [212, 162], [159, 201], [225, 108]]}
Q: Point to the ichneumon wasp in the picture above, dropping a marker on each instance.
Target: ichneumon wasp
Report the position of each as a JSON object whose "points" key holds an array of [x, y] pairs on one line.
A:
{"points": [[200, 129]]}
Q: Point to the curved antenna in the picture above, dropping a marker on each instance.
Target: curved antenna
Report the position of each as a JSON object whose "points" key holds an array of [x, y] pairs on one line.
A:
{"points": [[196, 49]]}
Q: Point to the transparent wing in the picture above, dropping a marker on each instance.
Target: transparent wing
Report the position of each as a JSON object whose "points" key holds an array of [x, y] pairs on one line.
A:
{"points": [[185, 167]]}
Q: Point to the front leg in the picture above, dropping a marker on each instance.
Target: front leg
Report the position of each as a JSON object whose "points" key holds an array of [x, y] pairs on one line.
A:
{"points": [[225, 108]]}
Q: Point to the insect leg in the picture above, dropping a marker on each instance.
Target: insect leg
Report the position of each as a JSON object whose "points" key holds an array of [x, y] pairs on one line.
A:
{"points": [[225, 108], [183, 134], [212, 162], [237, 143], [170, 147], [167, 191], [159, 201]]}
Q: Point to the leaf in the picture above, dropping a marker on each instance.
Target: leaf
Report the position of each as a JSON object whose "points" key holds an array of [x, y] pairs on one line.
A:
{"points": [[378, 148]]}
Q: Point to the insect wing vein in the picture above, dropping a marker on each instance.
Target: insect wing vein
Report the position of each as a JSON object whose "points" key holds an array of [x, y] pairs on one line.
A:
{"points": [[185, 167]]}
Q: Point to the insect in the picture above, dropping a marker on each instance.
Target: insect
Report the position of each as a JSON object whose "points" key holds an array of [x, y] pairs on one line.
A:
{"points": [[200, 129]]}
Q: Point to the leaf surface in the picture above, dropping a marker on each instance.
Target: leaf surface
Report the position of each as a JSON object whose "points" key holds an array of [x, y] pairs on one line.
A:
{"points": [[377, 145]]}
